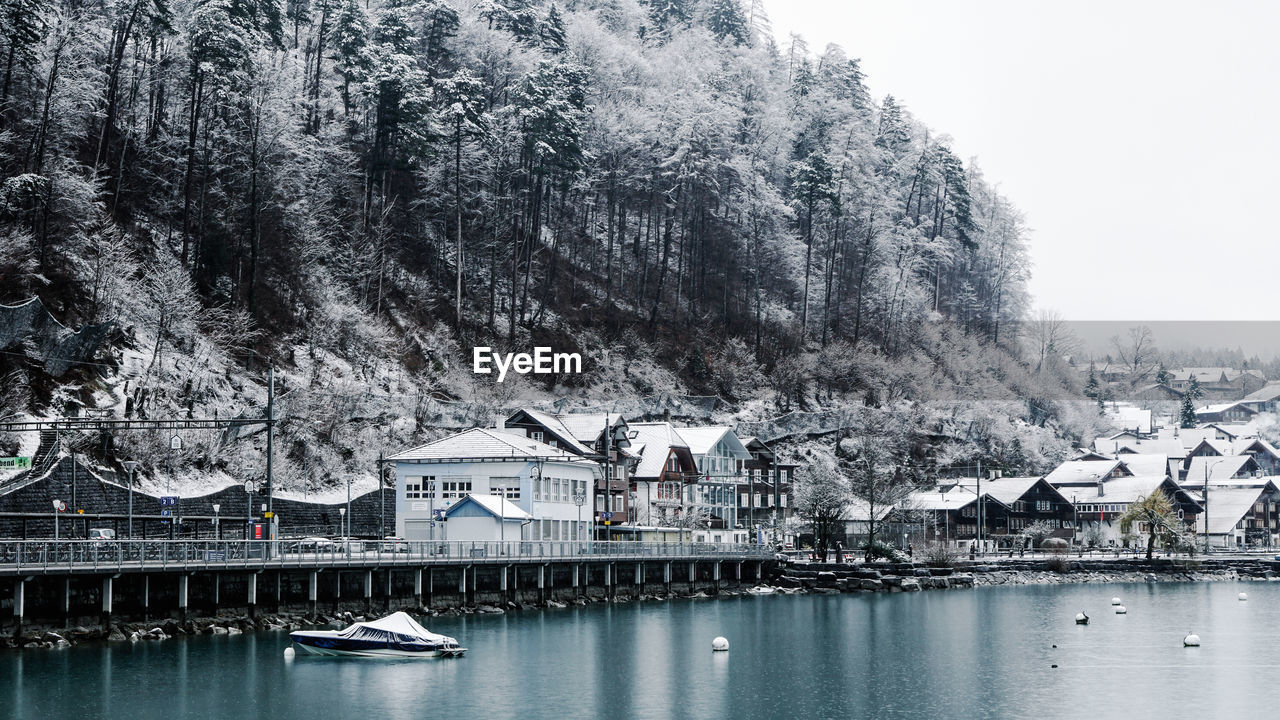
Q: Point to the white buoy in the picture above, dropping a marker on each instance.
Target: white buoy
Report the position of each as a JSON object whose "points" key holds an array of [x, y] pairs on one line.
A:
{"points": [[1242, 596], [288, 653], [1122, 610], [1115, 601], [720, 644], [1191, 640], [1082, 619]]}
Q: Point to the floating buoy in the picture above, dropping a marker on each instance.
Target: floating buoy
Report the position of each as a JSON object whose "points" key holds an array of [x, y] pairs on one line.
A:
{"points": [[1082, 619], [1115, 601], [1053, 666], [288, 653], [1122, 610], [1191, 640], [720, 644], [1242, 596], [1055, 646]]}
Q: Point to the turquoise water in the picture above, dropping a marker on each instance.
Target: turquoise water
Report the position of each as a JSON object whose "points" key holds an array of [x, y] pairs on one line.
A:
{"points": [[938, 654]]}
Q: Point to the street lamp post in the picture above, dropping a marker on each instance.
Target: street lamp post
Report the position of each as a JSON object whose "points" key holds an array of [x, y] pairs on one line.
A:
{"points": [[342, 520], [130, 466], [248, 509], [1207, 468], [347, 512], [579, 499], [1075, 518], [217, 529]]}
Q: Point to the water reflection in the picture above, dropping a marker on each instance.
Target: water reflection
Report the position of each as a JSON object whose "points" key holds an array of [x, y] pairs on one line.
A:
{"points": [[982, 653]]}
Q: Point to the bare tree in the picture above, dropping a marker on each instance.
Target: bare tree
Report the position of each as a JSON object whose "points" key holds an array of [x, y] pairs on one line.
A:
{"points": [[822, 497], [1136, 351], [1051, 337]]}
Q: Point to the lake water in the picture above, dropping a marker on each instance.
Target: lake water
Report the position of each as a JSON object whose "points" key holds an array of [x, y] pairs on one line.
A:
{"points": [[938, 654]]}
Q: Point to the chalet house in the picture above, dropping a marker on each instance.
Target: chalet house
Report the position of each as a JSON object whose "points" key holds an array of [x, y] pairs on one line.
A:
{"points": [[1102, 491], [1265, 399], [1219, 384], [764, 495], [1234, 412], [1009, 505], [584, 435], [1156, 393], [1203, 468], [1241, 513], [663, 477], [539, 479], [718, 452], [1264, 453]]}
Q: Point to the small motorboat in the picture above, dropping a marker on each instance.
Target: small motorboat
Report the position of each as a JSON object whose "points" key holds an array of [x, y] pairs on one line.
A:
{"points": [[396, 635]]}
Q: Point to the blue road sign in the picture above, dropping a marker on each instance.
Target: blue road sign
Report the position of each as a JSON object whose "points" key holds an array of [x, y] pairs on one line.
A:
{"points": [[606, 515], [169, 501], [164, 513]]}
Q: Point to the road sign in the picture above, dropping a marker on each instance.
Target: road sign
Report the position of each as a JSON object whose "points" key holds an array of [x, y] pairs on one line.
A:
{"points": [[164, 513], [248, 486], [175, 443], [168, 501], [268, 514], [15, 463], [608, 522], [59, 506], [606, 515], [220, 555]]}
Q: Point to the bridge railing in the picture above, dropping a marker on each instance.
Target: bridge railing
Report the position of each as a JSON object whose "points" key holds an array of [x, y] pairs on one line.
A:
{"points": [[43, 555]]}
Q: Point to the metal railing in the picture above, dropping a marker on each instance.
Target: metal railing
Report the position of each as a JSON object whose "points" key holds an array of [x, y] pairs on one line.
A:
{"points": [[44, 556]]}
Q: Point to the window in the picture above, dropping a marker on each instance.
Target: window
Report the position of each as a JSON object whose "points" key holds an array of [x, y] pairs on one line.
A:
{"points": [[536, 435], [453, 488], [506, 487], [413, 488], [673, 464], [1044, 506], [783, 501]]}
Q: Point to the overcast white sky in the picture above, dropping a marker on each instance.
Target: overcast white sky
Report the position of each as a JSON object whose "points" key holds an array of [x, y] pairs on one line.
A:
{"points": [[1140, 138]]}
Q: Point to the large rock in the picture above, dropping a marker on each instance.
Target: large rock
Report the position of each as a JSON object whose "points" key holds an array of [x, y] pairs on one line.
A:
{"points": [[910, 585], [962, 580], [867, 573], [870, 584]]}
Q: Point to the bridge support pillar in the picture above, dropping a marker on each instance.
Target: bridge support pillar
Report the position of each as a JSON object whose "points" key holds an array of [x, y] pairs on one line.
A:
{"points": [[716, 571], [638, 587], [279, 589], [417, 586], [66, 600], [608, 580], [759, 570], [19, 604], [467, 589], [251, 595], [146, 597], [313, 583], [693, 574], [217, 592], [182, 597], [503, 585], [666, 576], [386, 596], [576, 584], [106, 600], [737, 571], [542, 584], [368, 591]]}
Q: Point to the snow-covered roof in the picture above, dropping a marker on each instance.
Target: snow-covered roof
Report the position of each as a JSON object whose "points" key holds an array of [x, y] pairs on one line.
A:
{"points": [[1122, 490], [860, 509], [1266, 393], [653, 443], [1219, 467], [1227, 506], [586, 427], [499, 507], [1131, 418], [556, 426], [1223, 407], [1170, 447], [484, 443], [1257, 445], [1081, 471], [1007, 490], [702, 439]]}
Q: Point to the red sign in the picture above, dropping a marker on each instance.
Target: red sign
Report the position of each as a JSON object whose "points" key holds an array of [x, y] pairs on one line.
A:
{"points": [[257, 531]]}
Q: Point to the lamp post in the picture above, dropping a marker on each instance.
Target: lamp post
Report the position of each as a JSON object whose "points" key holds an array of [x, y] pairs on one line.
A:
{"points": [[579, 499], [58, 506], [130, 466], [347, 512], [1207, 468], [342, 519], [1075, 517], [217, 529], [248, 509]]}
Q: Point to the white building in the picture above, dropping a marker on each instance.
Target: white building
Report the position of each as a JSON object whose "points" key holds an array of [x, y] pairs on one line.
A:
{"points": [[717, 452], [539, 479], [486, 518]]}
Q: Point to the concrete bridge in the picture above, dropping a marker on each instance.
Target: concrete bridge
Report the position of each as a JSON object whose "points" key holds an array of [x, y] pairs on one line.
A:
{"points": [[85, 581]]}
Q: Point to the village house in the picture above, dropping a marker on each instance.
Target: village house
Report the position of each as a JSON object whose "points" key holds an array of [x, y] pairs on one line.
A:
{"points": [[1234, 412], [1218, 384], [663, 477], [717, 453], [1240, 512], [949, 511], [1265, 399], [487, 518], [539, 479], [764, 495], [1101, 491], [589, 435]]}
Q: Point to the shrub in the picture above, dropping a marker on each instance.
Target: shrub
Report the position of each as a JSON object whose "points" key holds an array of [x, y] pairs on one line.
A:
{"points": [[939, 555], [879, 550], [1058, 563]]}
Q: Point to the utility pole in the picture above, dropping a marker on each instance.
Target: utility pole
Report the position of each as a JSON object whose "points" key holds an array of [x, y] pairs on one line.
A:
{"points": [[271, 423], [382, 500], [979, 505]]}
